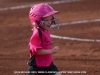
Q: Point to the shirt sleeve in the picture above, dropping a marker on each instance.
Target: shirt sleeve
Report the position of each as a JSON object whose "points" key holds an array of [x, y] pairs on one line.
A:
{"points": [[35, 43]]}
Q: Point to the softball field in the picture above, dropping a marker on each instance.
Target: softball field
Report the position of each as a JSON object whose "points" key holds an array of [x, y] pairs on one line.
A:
{"points": [[78, 36]]}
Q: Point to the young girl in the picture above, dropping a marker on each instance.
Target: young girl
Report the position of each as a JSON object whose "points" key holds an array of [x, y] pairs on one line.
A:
{"points": [[42, 19]]}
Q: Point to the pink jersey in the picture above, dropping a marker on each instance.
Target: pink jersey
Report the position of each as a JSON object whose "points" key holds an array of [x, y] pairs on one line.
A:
{"points": [[45, 43]]}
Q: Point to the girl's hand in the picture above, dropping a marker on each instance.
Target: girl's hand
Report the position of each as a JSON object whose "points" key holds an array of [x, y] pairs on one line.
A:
{"points": [[55, 49]]}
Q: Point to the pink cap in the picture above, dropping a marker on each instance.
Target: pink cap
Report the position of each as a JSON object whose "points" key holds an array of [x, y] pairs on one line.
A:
{"points": [[41, 10]]}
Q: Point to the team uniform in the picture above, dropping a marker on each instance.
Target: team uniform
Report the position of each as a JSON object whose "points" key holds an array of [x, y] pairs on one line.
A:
{"points": [[43, 62]]}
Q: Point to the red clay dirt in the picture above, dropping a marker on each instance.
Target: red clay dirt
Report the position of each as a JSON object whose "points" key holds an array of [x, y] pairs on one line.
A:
{"points": [[15, 32]]}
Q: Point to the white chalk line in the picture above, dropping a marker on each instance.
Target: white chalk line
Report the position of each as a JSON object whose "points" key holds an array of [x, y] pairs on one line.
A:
{"points": [[26, 6], [73, 39], [79, 22], [76, 39]]}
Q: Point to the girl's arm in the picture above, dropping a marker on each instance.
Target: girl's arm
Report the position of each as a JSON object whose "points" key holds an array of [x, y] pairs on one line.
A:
{"points": [[43, 51]]}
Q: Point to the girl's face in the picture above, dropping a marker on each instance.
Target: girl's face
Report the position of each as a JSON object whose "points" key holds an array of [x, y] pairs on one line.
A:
{"points": [[49, 22]]}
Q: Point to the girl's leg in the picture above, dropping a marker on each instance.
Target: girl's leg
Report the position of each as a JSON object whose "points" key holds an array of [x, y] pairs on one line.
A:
{"points": [[58, 73], [30, 69], [53, 68]]}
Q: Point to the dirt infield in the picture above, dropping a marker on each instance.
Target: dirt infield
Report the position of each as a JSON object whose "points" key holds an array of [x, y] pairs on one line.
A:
{"points": [[15, 32]]}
